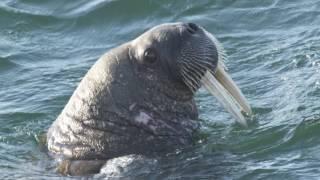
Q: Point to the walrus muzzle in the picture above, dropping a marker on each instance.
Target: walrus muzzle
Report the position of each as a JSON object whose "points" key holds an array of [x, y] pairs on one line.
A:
{"points": [[217, 82]]}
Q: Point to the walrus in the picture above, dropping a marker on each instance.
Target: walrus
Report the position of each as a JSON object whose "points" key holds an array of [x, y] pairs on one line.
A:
{"points": [[138, 98]]}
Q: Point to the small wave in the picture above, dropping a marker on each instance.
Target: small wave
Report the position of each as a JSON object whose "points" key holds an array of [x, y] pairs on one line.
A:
{"points": [[23, 114], [112, 11], [6, 64], [83, 8], [307, 132], [52, 9], [9, 9]]}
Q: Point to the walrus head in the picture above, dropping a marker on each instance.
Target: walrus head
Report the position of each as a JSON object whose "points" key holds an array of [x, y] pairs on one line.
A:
{"points": [[138, 97], [187, 54]]}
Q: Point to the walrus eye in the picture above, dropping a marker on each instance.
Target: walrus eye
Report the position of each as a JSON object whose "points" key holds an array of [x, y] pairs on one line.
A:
{"points": [[150, 55]]}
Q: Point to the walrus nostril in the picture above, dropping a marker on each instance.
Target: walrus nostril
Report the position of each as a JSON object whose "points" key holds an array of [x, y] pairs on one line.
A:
{"points": [[192, 28]]}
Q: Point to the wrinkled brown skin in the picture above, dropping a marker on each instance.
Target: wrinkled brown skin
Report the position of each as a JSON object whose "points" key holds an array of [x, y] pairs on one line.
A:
{"points": [[125, 105]]}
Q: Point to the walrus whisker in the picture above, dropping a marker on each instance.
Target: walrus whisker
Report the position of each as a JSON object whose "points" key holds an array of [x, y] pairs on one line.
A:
{"points": [[197, 63], [201, 59], [196, 66], [188, 81], [191, 74], [200, 67], [196, 75], [198, 71], [222, 56]]}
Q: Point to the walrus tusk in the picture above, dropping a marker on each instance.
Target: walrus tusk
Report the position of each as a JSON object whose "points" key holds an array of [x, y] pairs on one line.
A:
{"points": [[228, 94]]}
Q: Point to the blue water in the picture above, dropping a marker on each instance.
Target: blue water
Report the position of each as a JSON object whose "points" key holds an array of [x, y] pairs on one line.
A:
{"points": [[273, 49]]}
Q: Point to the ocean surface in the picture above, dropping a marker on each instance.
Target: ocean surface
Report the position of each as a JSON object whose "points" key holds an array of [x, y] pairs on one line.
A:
{"points": [[273, 49]]}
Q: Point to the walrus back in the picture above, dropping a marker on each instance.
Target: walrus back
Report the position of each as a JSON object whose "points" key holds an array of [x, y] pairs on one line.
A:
{"points": [[79, 131]]}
